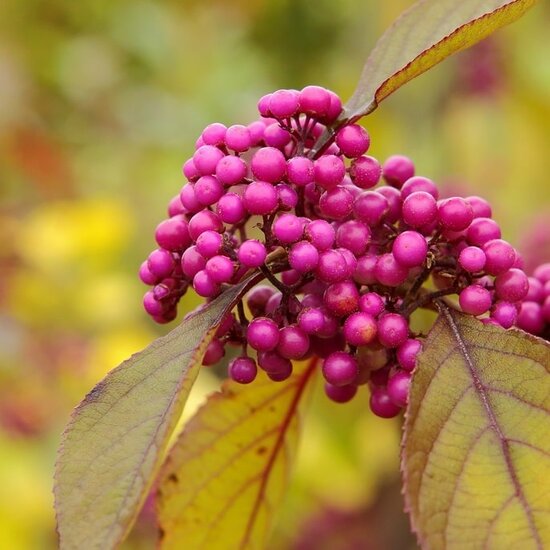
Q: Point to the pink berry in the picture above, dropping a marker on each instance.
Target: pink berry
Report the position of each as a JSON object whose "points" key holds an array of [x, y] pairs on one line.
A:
{"points": [[340, 394], [500, 256], [173, 233], [329, 171], [340, 368], [353, 235], [293, 342], [252, 253], [243, 370], [262, 334], [214, 134], [389, 271], [410, 249], [315, 101], [482, 230], [455, 214], [382, 405], [300, 171], [397, 170], [472, 259], [231, 209], [260, 198], [398, 388], [231, 170], [206, 159], [365, 172], [360, 329], [288, 228], [337, 203], [419, 183], [303, 257], [321, 234], [419, 209], [475, 300], [512, 285], [407, 353], [268, 164], [341, 298], [353, 140], [371, 303], [393, 330]]}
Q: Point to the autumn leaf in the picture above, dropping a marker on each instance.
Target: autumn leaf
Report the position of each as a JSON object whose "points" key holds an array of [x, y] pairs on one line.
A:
{"points": [[476, 454], [226, 476], [421, 37], [116, 439]]}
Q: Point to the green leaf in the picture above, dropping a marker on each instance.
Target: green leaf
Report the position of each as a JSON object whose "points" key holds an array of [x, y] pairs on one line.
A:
{"points": [[421, 37], [476, 451], [226, 476], [117, 436]]}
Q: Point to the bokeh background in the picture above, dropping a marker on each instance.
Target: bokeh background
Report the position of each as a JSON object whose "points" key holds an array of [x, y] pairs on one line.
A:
{"points": [[100, 104]]}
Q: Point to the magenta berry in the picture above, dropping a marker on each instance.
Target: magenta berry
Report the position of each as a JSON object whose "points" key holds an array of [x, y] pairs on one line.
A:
{"points": [[262, 334], [283, 103], [340, 394], [315, 101], [388, 271], [231, 208], [340, 368], [341, 298], [214, 352], [321, 234], [214, 134], [353, 140], [397, 170], [500, 256], [371, 303], [472, 259], [505, 314], [482, 230], [206, 159], [365, 172], [303, 257], [268, 164], [220, 269], [209, 243], [231, 170], [288, 228], [202, 221], [160, 263], [382, 405], [354, 236], [300, 171], [332, 266], [370, 207], [455, 214], [293, 342], [419, 209], [393, 330], [252, 253], [260, 198], [329, 171], [398, 388], [311, 320], [204, 285], [243, 370], [360, 329], [419, 183], [173, 233], [512, 286], [410, 249], [337, 203], [475, 300], [407, 353]]}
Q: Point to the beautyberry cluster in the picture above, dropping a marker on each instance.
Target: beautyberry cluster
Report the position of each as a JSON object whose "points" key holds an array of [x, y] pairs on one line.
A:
{"points": [[293, 197]]}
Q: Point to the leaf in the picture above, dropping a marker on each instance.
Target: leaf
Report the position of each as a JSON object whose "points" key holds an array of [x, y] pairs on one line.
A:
{"points": [[476, 452], [114, 443], [226, 475], [421, 37]]}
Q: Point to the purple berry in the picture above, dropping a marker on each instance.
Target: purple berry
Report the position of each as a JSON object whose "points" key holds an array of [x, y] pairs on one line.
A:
{"points": [[360, 329], [192, 262], [542, 273], [252, 253], [288, 228], [340, 394], [340, 368], [220, 269], [397, 170], [272, 362], [353, 140], [214, 352], [206, 159], [257, 299], [353, 235], [393, 330], [329, 171], [260, 198], [315, 101], [389, 271], [337, 203], [283, 103], [500, 256], [209, 243], [160, 263], [419, 209], [419, 183], [243, 370], [536, 291], [393, 196], [300, 171], [482, 230], [231, 208], [370, 207], [365, 172], [311, 320], [152, 305], [190, 170], [410, 249], [231, 170], [303, 257], [321, 234], [371, 303], [262, 334], [173, 234], [293, 343], [237, 138], [204, 285], [475, 300], [268, 164], [188, 198], [398, 388], [287, 196], [365, 271], [407, 353], [512, 285], [382, 405], [505, 314], [208, 190], [146, 275], [455, 214], [214, 134], [204, 221], [341, 299], [275, 136], [472, 259], [332, 266], [530, 318], [480, 207]]}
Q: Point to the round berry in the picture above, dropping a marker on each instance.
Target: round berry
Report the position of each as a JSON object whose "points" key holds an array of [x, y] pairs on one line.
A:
{"points": [[505, 314], [288, 228], [475, 300], [382, 405], [360, 329], [512, 285], [500, 256], [315, 101], [231, 209], [206, 159], [340, 368], [268, 164], [482, 230], [214, 352], [262, 334], [397, 170], [146, 275], [530, 318], [283, 103], [208, 190], [321, 234], [341, 298], [419, 209], [160, 263], [260, 198], [480, 207], [407, 353], [188, 198], [353, 140], [151, 305], [209, 243], [204, 221], [204, 285], [192, 261], [419, 183], [252, 253], [365, 172], [231, 170], [173, 233], [300, 171], [389, 271], [257, 299], [371, 303], [303, 257], [237, 138], [398, 388], [329, 171], [340, 394], [410, 249], [455, 214], [353, 235], [311, 320], [243, 370], [214, 134], [393, 196], [337, 203], [220, 269], [365, 271], [393, 330], [190, 170], [293, 343], [370, 207], [332, 266], [542, 273], [472, 259]]}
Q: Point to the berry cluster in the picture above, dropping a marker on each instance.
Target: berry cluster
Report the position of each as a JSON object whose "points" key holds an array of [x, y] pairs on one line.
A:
{"points": [[292, 196], [534, 311]]}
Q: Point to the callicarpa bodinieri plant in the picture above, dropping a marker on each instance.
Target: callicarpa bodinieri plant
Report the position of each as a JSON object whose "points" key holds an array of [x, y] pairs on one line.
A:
{"points": [[313, 259]]}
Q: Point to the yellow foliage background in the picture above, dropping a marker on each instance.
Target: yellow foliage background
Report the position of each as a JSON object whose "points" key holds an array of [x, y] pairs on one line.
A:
{"points": [[100, 104]]}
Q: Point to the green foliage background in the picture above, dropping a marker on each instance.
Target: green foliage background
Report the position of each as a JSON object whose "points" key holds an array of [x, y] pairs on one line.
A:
{"points": [[100, 104]]}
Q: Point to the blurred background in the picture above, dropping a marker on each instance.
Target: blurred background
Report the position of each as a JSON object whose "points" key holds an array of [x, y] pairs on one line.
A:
{"points": [[100, 104]]}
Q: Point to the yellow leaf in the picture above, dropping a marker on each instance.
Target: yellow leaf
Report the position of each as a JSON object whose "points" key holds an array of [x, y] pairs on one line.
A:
{"points": [[421, 37], [226, 476], [476, 454], [116, 439]]}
